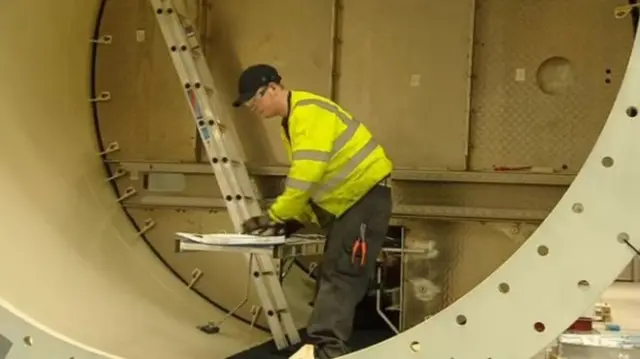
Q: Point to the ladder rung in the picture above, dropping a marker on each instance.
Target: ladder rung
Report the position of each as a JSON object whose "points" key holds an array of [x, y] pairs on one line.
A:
{"points": [[224, 160]]}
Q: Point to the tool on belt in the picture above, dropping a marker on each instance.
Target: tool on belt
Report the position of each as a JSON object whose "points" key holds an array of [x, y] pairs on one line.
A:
{"points": [[359, 248]]}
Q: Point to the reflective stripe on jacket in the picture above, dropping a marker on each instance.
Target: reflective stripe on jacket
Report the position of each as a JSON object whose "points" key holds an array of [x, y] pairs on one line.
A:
{"points": [[334, 159]]}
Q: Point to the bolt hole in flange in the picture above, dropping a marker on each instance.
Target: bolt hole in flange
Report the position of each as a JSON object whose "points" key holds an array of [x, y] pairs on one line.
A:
{"points": [[577, 208], [543, 250], [632, 111], [461, 319], [539, 327], [607, 162], [583, 284], [623, 237], [504, 288], [414, 346]]}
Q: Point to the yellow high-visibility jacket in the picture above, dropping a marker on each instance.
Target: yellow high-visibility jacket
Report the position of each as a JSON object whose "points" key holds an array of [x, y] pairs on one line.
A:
{"points": [[335, 160]]}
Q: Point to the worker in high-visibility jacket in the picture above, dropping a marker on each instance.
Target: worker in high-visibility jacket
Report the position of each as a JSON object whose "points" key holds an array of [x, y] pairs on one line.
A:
{"points": [[339, 179]]}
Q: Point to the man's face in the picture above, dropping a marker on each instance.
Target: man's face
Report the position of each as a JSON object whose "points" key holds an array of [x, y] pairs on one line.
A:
{"points": [[263, 103]]}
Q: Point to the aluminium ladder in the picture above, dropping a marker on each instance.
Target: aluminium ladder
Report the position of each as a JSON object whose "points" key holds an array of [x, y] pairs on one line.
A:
{"points": [[241, 198]]}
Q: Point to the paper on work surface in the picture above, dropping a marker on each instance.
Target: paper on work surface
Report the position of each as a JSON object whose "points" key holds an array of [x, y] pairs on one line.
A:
{"points": [[232, 239]]}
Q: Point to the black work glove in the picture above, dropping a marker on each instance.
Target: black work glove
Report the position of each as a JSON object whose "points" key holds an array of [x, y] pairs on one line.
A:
{"points": [[262, 226], [291, 227]]}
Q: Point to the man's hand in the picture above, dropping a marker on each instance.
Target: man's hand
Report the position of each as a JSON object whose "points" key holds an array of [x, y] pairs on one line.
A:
{"points": [[262, 226]]}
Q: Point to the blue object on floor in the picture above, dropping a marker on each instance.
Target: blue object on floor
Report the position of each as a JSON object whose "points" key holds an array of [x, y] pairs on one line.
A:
{"points": [[612, 327]]}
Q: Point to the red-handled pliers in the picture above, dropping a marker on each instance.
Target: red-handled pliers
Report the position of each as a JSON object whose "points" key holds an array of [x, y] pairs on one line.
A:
{"points": [[360, 247]]}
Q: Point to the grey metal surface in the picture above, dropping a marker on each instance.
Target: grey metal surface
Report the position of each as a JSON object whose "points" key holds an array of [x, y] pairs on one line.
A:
{"points": [[5, 346], [519, 177], [399, 210]]}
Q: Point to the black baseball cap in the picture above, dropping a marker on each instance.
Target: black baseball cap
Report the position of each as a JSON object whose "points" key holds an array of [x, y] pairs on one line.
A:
{"points": [[252, 78]]}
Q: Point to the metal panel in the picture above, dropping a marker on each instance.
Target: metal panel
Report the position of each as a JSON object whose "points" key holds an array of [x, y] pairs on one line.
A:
{"points": [[404, 72], [514, 122]]}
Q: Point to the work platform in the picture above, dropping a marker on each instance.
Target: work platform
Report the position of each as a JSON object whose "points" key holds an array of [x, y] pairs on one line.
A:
{"points": [[286, 250], [277, 247]]}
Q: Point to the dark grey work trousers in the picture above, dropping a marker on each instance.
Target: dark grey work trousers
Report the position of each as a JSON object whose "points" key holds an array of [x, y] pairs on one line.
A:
{"points": [[341, 283]]}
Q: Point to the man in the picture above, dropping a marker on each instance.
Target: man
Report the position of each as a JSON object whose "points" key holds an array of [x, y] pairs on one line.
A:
{"points": [[339, 179]]}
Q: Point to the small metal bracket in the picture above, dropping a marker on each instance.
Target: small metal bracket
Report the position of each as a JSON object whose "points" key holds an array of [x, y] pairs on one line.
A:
{"points": [[255, 314], [112, 147], [120, 171], [148, 224], [103, 97], [130, 191], [312, 267], [620, 12], [103, 40], [195, 276]]}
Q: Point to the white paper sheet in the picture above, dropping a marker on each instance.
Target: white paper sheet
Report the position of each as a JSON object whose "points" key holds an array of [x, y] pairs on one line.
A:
{"points": [[232, 239]]}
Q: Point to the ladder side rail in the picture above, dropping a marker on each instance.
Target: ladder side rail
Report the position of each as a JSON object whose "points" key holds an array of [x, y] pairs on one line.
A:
{"points": [[203, 68], [228, 150], [168, 37], [209, 121], [198, 54], [199, 112], [176, 37], [200, 92], [279, 299], [172, 39], [200, 66], [270, 311]]}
